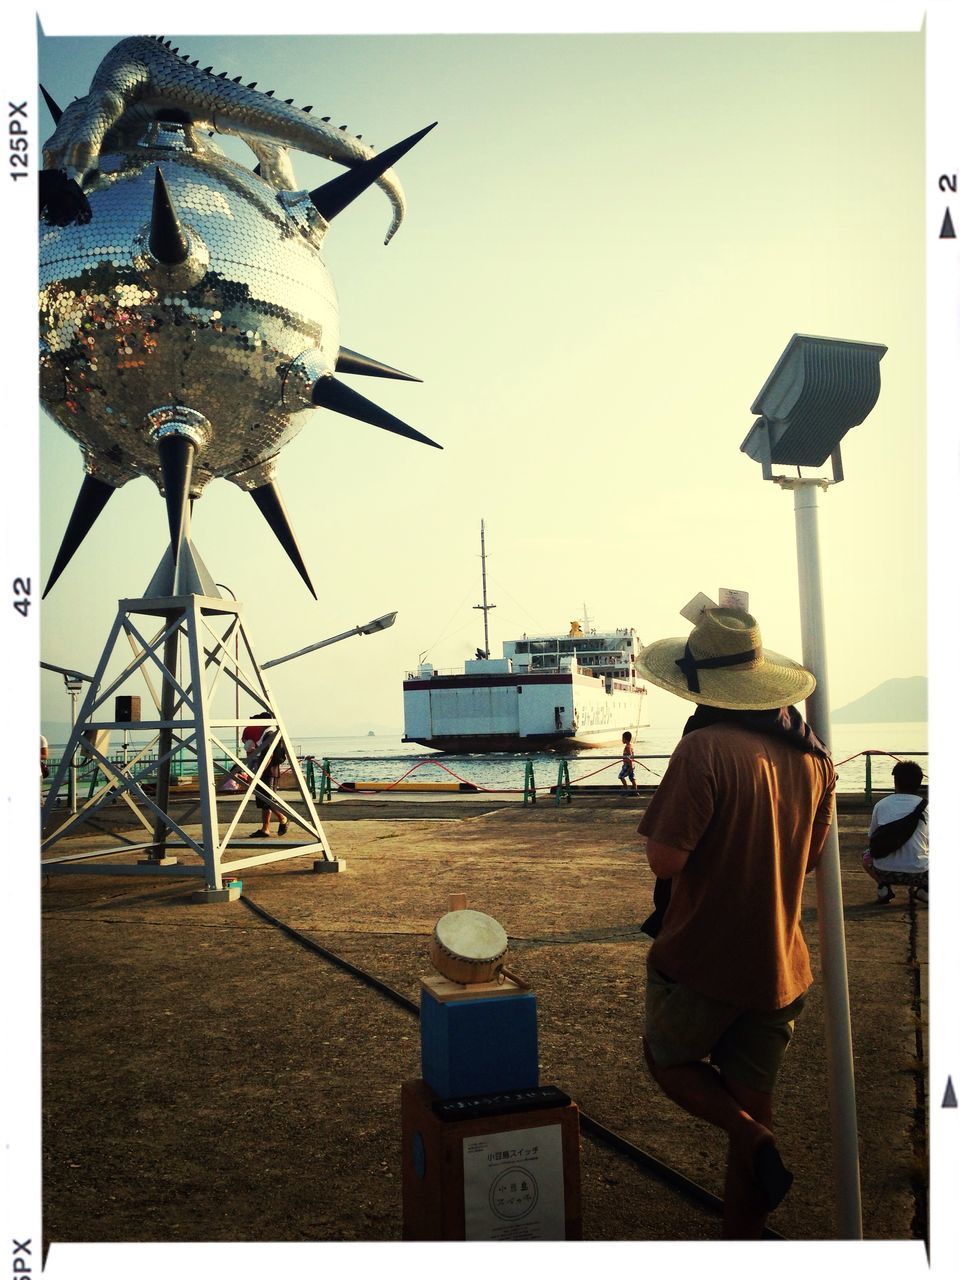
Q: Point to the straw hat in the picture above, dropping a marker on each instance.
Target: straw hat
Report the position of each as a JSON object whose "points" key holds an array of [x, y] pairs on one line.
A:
{"points": [[723, 663]]}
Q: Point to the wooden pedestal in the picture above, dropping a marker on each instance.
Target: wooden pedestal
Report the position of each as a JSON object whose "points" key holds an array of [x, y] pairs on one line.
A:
{"points": [[514, 1176]]}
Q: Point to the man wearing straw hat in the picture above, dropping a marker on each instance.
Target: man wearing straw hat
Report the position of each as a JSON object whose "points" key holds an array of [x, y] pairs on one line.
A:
{"points": [[739, 818]]}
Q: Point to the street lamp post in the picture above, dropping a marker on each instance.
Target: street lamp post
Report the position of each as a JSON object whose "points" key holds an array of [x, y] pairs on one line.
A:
{"points": [[72, 681], [368, 628], [236, 670], [818, 390], [72, 685]]}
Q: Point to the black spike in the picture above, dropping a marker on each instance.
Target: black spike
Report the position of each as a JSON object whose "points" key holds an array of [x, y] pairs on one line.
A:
{"points": [[168, 244], [195, 62], [328, 393], [257, 171], [267, 497], [207, 69], [222, 75], [91, 500], [325, 119], [343, 126], [252, 84], [52, 107], [353, 362], [237, 79], [177, 50], [176, 464], [334, 196], [310, 108], [288, 101], [269, 93]]}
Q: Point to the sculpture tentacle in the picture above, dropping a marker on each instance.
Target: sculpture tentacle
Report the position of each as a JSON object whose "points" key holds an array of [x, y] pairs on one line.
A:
{"points": [[142, 75]]}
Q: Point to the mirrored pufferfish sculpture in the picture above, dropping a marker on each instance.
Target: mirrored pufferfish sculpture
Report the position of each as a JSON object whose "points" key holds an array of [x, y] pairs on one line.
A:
{"points": [[189, 326]]}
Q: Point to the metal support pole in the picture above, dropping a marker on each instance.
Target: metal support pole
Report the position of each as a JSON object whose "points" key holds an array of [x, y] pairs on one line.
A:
{"points": [[72, 776], [869, 787], [842, 1094], [171, 649]]}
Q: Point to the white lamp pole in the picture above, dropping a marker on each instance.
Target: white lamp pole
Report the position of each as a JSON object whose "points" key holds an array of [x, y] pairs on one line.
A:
{"points": [[833, 951]]}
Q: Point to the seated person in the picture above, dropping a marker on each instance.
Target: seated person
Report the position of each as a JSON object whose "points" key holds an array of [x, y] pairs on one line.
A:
{"points": [[907, 864]]}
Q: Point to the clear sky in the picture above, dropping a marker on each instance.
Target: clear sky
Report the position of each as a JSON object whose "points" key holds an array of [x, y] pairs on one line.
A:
{"points": [[609, 241]]}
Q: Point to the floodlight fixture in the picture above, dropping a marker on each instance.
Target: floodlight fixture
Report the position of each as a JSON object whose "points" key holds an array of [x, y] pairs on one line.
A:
{"points": [[378, 624], [68, 673], [818, 390]]}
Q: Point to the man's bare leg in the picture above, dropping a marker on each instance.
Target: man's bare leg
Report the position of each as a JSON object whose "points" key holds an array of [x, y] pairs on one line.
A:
{"points": [[746, 1116], [744, 1204]]}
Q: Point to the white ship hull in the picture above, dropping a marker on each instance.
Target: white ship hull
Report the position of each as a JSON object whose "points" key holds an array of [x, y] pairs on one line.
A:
{"points": [[535, 711]]}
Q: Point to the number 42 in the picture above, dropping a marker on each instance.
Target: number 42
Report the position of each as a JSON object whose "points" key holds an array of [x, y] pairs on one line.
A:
{"points": [[21, 590]]}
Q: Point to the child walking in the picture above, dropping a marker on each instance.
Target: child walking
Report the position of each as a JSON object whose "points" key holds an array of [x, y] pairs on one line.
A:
{"points": [[626, 770]]}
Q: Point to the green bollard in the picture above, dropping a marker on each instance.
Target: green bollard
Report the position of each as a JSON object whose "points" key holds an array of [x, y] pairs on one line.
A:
{"points": [[563, 783], [529, 785], [325, 792]]}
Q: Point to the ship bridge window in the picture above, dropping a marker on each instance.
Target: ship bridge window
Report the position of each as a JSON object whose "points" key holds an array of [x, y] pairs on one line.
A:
{"points": [[521, 646]]}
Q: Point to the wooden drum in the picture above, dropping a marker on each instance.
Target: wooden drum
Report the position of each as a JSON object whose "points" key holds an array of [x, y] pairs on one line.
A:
{"points": [[468, 947]]}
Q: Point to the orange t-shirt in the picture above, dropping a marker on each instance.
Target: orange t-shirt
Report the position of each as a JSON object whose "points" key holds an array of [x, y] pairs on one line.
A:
{"points": [[744, 805]]}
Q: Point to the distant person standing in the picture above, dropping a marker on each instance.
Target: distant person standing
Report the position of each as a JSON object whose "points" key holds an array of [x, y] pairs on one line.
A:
{"points": [[740, 817], [898, 834], [258, 741], [44, 753], [626, 769]]}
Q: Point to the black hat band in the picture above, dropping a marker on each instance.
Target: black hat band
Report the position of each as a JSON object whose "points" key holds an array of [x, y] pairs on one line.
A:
{"points": [[689, 665]]}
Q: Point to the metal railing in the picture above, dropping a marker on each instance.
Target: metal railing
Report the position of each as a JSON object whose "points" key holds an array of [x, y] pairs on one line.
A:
{"points": [[490, 773]]}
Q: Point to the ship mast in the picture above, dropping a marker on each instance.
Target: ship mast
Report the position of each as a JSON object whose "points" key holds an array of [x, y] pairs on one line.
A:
{"points": [[485, 607]]}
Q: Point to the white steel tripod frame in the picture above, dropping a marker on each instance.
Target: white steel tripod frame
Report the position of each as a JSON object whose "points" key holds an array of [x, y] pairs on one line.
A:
{"points": [[200, 629]]}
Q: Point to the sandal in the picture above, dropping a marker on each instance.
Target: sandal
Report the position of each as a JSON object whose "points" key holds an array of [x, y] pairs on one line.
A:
{"points": [[773, 1177], [282, 829]]}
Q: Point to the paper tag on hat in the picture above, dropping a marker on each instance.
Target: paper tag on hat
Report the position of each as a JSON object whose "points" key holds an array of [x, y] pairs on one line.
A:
{"points": [[694, 610], [731, 599]]}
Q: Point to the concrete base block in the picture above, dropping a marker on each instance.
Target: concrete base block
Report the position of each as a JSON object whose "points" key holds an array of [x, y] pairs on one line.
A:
{"points": [[229, 893], [166, 861], [338, 864]]}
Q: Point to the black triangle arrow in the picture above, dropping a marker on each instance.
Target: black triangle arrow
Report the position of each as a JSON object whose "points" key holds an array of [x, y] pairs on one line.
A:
{"points": [[946, 231], [949, 1098]]}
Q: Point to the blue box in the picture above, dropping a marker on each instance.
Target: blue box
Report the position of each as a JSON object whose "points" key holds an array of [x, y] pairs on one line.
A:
{"points": [[478, 1044]]}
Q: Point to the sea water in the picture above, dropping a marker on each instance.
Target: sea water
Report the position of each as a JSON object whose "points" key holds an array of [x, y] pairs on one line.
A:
{"points": [[386, 758]]}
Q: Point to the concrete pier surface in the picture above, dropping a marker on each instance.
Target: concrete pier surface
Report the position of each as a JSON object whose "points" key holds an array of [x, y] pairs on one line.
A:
{"points": [[206, 1077]]}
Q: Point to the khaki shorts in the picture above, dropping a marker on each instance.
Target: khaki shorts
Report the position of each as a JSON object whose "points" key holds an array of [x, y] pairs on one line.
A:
{"points": [[744, 1045]]}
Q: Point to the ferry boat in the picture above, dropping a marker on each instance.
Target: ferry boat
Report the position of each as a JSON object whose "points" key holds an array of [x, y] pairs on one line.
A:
{"points": [[557, 692]]}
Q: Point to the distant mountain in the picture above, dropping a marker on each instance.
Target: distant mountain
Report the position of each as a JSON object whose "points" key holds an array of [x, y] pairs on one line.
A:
{"points": [[894, 702]]}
